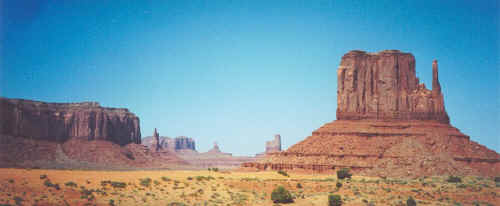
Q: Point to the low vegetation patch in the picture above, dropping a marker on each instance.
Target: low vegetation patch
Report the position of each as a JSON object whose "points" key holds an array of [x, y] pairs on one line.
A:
{"points": [[497, 179], [281, 172], [114, 184], [343, 173], [334, 200], [215, 169], [454, 179], [48, 183], [146, 182], [411, 202], [71, 184], [281, 195]]}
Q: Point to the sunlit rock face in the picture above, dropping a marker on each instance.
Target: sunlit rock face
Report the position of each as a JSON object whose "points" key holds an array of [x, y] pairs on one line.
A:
{"points": [[387, 125], [384, 86]]}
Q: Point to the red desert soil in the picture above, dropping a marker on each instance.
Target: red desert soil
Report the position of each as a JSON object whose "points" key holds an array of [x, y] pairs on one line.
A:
{"points": [[74, 187]]}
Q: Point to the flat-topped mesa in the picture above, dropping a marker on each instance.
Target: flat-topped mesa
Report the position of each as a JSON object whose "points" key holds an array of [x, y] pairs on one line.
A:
{"points": [[62, 121], [384, 86]]}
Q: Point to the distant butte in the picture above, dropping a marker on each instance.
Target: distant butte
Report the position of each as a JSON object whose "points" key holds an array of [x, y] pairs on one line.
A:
{"points": [[388, 124]]}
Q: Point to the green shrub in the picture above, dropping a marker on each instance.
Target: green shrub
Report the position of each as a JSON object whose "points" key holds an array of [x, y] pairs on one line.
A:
{"points": [[47, 183], [454, 179], [497, 179], [339, 184], [18, 200], [299, 185], [114, 184], [411, 202], [343, 173], [281, 195], [334, 200], [111, 202], [281, 172], [70, 184], [146, 182], [215, 169], [166, 179]]}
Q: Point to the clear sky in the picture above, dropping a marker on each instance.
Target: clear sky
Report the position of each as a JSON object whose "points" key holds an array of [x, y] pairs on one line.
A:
{"points": [[238, 72]]}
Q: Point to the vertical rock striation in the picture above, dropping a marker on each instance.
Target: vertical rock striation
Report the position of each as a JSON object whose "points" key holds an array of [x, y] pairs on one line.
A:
{"points": [[384, 86], [156, 141], [387, 125], [274, 145], [61, 121]]}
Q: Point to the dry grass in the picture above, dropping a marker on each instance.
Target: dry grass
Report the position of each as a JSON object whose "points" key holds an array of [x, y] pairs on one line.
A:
{"points": [[26, 187]]}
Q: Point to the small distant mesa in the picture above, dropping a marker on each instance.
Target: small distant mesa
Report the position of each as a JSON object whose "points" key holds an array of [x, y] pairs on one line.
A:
{"points": [[388, 124], [184, 148]]}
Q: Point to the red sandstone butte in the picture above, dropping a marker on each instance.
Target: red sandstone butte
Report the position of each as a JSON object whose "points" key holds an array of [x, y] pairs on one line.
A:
{"points": [[62, 121], [74, 135], [388, 124]]}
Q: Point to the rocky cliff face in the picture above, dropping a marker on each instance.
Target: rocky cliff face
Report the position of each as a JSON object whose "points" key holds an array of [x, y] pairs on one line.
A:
{"points": [[61, 121], [384, 86], [156, 146], [274, 145], [171, 144], [387, 125]]}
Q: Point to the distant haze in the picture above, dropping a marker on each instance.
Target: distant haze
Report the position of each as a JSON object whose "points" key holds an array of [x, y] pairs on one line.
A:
{"points": [[239, 72]]}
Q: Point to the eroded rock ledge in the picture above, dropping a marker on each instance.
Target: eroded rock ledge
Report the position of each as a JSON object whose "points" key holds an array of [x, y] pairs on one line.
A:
{"points": [[384, 86], [62, 121], [388, 124]]}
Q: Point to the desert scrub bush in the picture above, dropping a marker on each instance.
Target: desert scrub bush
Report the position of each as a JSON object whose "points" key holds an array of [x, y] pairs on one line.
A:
{"points": [[146, 182], [281, 172], [176, 204], [166, 179], [334, 200], [411, 202], [299, 185], [454, 179], [343, 173], [114, 184], [111, 202], [281, 195], [70, 184], [47, 183], [189, 178], [18, 200]]}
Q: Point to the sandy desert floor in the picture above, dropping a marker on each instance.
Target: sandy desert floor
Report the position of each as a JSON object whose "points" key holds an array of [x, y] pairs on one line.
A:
{"points": [[74, 187]]}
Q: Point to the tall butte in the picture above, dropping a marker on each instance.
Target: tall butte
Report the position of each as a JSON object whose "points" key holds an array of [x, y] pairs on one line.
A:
{"points": [[388, 124]]}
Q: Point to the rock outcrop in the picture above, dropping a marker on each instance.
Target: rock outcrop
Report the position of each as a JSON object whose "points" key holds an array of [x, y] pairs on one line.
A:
{"points": [[62, 121], [383, 86], [177, 144], [74, 136], [274, 145], [388, 125], [184, 148], [216, 151], [156, 146]]}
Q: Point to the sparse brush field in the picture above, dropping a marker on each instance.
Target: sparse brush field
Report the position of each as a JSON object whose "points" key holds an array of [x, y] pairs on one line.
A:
{"points": [[72, 187]]}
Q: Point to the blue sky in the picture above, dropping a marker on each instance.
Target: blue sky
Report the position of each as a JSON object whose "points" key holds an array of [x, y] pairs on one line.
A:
{"points": [[238, 72]]}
